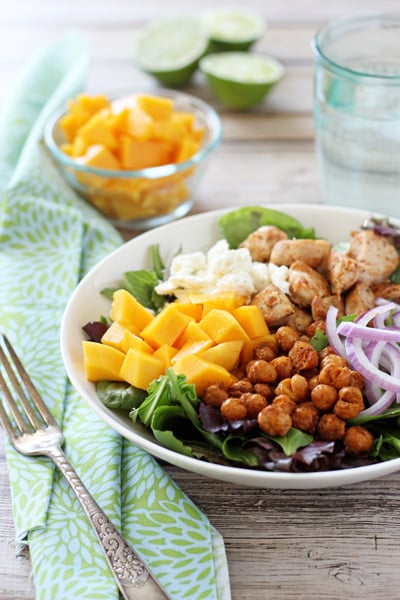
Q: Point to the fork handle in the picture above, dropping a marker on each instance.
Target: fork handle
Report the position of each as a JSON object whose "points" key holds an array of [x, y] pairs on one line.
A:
{"points": [[133, 578]]}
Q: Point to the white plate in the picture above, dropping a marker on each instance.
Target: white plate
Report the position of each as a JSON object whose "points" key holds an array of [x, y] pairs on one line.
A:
{"points": [[194, 233]]}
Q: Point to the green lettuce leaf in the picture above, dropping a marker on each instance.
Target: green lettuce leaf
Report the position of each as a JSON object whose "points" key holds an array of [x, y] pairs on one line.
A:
{"points": [[236, 225]]}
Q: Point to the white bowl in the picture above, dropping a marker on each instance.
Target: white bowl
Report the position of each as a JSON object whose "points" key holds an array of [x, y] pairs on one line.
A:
{"points": [[194, 233]]}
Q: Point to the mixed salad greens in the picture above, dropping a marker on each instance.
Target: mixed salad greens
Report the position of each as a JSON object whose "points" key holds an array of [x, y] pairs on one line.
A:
{"points": [[179, 419]]}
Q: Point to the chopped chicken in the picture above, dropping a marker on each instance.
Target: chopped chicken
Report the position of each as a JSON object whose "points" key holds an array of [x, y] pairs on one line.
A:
{"points": [[311, 252], [342, 271], [260, 242], [305, 283], [387, 290], [376, 255], [320, 306], [274, 305], [359, 299], [300, 319]]}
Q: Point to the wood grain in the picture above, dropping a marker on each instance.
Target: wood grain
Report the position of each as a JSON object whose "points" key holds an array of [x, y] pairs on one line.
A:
{"points": [[329, 544]]}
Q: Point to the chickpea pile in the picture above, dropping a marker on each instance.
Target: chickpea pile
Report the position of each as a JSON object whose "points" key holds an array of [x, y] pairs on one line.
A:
{"points": [[289, 384]]}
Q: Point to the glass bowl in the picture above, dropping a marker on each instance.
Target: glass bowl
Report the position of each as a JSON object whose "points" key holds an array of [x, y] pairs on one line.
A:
{"points": [[145, 198]]}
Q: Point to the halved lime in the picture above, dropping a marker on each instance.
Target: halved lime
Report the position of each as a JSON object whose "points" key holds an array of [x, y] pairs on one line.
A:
{"points": [[241, 79], [170, 49], [232, 28]]}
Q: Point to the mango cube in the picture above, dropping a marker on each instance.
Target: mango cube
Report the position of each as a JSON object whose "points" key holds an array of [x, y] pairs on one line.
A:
{"points": [[102, 362], [129, 312], [140, 368]]}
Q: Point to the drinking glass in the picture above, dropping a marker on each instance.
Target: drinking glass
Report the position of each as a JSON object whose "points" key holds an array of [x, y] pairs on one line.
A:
{"points": [[357, 112]]}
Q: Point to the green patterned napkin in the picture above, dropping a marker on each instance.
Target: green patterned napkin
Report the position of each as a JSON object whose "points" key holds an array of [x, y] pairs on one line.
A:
{"points": [[49, 238]]}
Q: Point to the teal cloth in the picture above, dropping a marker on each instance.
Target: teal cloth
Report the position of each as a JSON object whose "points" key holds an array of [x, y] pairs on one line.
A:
{"points": [[49, 238]]}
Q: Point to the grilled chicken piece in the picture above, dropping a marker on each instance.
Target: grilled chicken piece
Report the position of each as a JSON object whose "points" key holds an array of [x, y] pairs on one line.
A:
{"points": [[274, 305], [300, 319], [320, 306], [260, 242], [359, 299], [312, 252], [387, 290], [305, 283], [376, 256], [343, 272]]}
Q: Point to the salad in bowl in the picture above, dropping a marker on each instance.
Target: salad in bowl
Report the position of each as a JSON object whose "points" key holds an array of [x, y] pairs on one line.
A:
{"points": [[260, 348]]}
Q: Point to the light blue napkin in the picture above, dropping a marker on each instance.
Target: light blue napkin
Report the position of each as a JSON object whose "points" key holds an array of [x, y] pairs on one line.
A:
{"points": [[49, 238]]}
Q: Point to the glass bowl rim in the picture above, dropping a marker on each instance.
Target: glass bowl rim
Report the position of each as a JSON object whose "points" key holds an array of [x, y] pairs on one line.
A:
{"points": [[214, 125]]}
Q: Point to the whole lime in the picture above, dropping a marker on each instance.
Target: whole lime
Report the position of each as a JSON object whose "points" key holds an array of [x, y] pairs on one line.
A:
{"points": [[241, 80]]}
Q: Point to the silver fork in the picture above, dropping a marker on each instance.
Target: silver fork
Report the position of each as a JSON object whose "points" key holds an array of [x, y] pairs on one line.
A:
{"points": [[32, 430]]}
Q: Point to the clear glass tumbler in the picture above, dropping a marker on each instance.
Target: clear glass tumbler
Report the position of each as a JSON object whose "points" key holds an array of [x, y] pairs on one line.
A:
{"points": [[357, 112]]}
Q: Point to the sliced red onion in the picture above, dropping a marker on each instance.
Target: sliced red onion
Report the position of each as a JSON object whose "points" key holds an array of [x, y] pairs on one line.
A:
{"points": [[363, 332], [382, 404], [361, 363], [331, 332]]}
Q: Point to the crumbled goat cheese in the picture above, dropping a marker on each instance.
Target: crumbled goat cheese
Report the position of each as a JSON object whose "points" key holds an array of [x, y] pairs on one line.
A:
{"points": [[221, 270]]}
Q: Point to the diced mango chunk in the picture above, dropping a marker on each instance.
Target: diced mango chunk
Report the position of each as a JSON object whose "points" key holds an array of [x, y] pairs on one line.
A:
{"points": [[140, 368], [158, 107], [193, 332], [122, 338], [129, 312], [225, 354], [251, 319], [102, 362], [165, 328], [143, 154], [222, 326], [202, 373], [192, 347]]}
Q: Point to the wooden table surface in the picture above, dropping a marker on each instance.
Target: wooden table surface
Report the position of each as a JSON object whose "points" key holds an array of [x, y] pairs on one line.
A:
{"points": [[330, 544]]}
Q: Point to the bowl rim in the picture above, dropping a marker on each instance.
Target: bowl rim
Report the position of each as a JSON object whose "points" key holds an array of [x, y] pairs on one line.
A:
{"points": [[213, 120], [232, 474]]}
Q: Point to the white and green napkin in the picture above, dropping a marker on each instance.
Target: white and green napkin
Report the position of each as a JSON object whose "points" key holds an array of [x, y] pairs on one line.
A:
{"points": [[49, 238]]}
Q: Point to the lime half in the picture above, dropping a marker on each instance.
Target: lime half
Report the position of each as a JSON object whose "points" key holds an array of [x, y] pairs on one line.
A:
{"points": [[241, 79], [170, 49], [232, 28]]}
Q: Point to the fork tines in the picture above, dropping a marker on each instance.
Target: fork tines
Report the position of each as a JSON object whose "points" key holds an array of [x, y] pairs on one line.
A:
{"points": [[21, 384]]}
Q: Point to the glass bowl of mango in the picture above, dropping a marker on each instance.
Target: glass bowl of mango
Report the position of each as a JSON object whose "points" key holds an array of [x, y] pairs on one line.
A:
{"points": [[136, 158]]}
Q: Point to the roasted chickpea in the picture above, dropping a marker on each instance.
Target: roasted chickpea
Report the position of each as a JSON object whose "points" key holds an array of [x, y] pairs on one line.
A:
{"points": [[239, 372], [333, 359], [324, 396], [283, 366], [326, 351], [306, 417], [254, 404], [335, 375], [233, 409], [314, 327], [358, 440], [285, 403], [350, 403], [286, 336], [264, 389], [265, 352], [356, 379], [240, 387], [313, 382], [261, 371], [215, 395], [273, 420], [285, 387], [299, 388], [331, 427], [303, 356]]}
